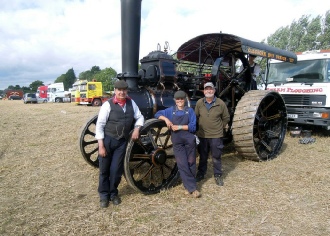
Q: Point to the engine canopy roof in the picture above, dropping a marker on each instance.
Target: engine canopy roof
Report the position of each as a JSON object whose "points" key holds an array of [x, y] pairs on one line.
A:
{"points": [[208, 47]]}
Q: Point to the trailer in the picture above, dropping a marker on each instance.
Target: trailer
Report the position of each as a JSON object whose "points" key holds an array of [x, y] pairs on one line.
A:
{"points": [[14, 94]]}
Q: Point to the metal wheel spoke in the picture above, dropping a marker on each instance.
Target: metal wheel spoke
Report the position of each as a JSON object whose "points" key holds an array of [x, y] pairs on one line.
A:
{"points": [[138, 165], [141, 156], [157, 134], [168, 167], [153, 142], [90, 133], [167, 139], [276, 116], [141, 145], [270, 104], [266, 145], [272, 134], [148, 173], [171, 157], [240, 89], [228, 77], [86, 143], [162, 172], [93, 151]]}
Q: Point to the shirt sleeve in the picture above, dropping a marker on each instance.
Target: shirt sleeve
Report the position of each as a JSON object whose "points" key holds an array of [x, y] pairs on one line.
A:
{"points": [[225, 115], [137, 115], [168, 113], [102, 120], [256, 70]]}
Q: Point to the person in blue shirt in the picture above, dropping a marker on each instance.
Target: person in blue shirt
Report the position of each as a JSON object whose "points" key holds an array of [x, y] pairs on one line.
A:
{"points": [[181, 120]]}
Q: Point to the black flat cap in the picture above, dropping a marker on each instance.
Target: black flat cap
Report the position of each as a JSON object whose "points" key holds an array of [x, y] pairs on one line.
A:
{"points": [[180, 94], [121, 84]]}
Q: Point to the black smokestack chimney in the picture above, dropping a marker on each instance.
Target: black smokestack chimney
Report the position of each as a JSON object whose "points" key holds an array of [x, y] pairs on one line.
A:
{"points": [[130, 40]]}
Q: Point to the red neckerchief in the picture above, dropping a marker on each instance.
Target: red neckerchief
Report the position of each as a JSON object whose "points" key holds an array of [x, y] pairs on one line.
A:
{"points": [[120, 102]]}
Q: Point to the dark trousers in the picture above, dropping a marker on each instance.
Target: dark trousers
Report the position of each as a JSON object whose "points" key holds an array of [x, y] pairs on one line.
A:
{"points": [[111, 167], [184, 148], [215, 145]]}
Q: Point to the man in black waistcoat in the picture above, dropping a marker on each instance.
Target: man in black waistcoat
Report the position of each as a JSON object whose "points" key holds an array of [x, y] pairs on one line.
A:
{"points": [[113, 126]]}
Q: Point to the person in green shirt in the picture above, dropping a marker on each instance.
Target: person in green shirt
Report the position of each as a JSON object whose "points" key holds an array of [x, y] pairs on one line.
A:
{"points": [[212, 117]]}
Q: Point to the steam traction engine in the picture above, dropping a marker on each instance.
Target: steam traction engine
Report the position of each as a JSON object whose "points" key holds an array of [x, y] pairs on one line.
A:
{"points": [[258, 117]]}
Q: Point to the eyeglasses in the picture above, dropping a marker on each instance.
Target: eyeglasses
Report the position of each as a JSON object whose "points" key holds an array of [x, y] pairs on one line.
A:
{"points": [[179, 99]]}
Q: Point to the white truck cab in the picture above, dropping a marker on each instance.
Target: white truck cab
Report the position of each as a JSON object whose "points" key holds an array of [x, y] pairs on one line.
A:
{"points": [[305, 87], [56, 93]]}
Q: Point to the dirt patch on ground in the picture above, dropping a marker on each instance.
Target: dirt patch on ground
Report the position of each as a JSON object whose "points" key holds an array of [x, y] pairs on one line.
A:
{"points": [[48, 189]]}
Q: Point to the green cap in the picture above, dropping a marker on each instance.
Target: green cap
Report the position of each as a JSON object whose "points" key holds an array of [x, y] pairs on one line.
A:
{"points": [[180, 94]]}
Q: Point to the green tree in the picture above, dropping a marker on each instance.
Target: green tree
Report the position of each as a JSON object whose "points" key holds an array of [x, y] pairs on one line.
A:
{"points": [[313, 31], [34, 85], [280, 38], [89, 75], [27, 90], [298, 31], [60, 79], [302, 35], [70, 78], [95, 69], [325, 36], [86, 75], [107, 77], [67, 79]]}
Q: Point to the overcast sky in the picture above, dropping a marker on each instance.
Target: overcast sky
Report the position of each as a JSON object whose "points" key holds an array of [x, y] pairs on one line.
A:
{"points": [[42, 39]]}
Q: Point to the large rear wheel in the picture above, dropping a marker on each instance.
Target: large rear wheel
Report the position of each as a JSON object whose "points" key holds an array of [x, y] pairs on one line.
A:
{"points": [[149, 163], [259, 125]]}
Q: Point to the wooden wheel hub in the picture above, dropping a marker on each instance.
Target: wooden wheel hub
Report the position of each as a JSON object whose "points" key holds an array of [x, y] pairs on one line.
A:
{"points": [[158, 157]]}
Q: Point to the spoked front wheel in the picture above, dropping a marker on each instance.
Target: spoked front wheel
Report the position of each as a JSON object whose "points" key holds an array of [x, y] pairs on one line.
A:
{"points": [[149, 163]]}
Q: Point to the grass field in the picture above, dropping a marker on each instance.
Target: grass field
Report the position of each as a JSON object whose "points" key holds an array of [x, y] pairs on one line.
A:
{"points": [[48, 189]]}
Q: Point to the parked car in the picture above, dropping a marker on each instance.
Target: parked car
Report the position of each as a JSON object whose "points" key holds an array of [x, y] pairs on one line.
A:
{"points": [[30, 98], [42, 100], [13, 97]]}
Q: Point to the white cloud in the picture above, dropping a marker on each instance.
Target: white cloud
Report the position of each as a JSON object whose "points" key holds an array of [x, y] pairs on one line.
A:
{"points": [[40, 40]]}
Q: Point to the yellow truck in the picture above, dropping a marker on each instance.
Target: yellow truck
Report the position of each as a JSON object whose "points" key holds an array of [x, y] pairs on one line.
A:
{"points": [[75, 91], [91, 93]]}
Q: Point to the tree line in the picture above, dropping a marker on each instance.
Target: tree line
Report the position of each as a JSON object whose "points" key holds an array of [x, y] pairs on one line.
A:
{"points": [[304, 34], [106, 76]]}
